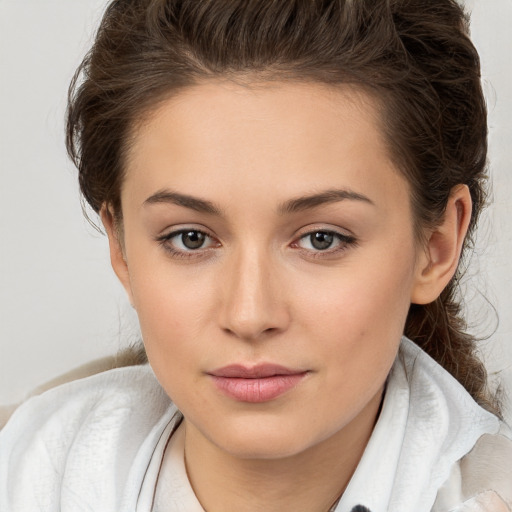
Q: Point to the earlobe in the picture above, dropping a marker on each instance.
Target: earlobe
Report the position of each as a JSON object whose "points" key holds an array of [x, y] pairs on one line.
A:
{"points": [[438, 263], [117, 255]]}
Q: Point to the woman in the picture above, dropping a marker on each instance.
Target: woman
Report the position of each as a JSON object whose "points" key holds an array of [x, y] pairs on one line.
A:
{"points": [[287, 188]]}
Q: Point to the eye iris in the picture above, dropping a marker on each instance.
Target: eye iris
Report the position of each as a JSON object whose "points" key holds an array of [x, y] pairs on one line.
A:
{"points": [[321, 240], [193, 239]]}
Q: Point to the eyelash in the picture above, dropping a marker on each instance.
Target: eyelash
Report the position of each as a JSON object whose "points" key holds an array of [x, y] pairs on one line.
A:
{"points": [[344, 243], [179, 254]]}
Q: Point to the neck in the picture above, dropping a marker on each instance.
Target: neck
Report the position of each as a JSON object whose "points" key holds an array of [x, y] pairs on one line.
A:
{"points": [[311, 480]]}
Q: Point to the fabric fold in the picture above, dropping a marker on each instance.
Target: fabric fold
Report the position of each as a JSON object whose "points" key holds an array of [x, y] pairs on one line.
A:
{"points": [[98, 444]]}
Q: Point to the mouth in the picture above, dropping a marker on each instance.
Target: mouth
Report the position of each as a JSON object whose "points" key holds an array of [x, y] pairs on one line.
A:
{"points": [[256, 384]]}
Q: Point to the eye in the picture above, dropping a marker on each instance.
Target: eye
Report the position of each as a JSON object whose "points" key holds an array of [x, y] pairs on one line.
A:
{"points": [[321, 240], [186, 242], [324, 241], [190, 239]]}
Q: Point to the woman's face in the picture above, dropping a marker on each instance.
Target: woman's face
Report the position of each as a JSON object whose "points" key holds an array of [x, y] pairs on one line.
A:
{"points": [[271, 259]]}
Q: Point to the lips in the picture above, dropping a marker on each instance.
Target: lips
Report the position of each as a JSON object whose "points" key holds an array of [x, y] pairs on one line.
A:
{"points": [[256, 372], [256, 384]]}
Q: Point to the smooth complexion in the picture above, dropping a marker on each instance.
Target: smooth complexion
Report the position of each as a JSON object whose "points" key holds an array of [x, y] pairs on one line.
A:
{"points": [[267, 235]]}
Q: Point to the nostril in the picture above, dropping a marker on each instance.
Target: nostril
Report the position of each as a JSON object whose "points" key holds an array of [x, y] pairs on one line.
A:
{"points": [[360, 508], [251, 333]]}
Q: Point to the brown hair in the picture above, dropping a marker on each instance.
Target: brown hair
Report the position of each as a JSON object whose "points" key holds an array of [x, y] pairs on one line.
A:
{"points": [[414, 56]]}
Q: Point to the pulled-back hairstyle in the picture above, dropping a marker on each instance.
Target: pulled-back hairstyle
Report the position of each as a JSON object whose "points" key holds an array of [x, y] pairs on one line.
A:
{"points": [[413, 56]]}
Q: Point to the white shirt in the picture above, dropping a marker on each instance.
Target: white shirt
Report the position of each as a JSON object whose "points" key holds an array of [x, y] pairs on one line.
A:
{"points": [[98, 444]]}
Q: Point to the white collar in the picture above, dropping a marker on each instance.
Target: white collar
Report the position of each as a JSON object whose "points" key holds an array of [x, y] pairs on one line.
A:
{"points": [[428, 422]]}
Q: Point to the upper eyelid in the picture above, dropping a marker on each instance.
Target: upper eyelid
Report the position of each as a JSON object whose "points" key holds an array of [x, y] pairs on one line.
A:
{"points": [[321, 230], [177, 231], [315, 229], [343, 238]]}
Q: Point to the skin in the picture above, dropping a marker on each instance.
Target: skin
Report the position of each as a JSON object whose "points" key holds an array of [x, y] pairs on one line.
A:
{"points": [[259, 291]]}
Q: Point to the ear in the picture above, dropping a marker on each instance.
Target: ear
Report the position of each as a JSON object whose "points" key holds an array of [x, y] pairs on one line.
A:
{"points": [[117, 253], [440, 258]]}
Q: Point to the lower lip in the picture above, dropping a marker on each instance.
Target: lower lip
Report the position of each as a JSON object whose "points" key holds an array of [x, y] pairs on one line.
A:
{"points": [[257, 390]]}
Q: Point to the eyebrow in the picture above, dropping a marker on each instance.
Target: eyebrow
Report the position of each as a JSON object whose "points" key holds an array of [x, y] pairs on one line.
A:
{"points": [[292, 206], [191, 202], [329, 196]]}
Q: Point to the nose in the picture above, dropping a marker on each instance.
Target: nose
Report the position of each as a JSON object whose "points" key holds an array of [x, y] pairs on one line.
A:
{"points": [[253, 298]]}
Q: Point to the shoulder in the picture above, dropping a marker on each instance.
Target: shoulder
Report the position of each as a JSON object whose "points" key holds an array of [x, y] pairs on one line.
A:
{"points": [[469, 450], [112, 393], [82, 431], [482, 480]]}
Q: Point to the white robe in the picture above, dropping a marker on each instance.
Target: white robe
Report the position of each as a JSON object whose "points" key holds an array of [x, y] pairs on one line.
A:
{"points": [[97, 445]]}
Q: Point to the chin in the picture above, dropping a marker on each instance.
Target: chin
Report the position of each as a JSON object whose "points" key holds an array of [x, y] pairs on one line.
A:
{"points": [[265, 440], [263, 449]]}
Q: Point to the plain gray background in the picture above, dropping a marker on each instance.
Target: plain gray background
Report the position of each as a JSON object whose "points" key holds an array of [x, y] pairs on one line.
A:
{"points": [[60, 304]]}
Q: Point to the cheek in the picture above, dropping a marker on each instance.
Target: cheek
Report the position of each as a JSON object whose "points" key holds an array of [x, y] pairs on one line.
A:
{"points": [[358, 319], [173, 307], [365, 298]]}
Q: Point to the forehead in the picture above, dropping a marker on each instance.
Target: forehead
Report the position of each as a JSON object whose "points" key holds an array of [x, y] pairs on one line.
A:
{"points": [[246, 140], [272, 106]]}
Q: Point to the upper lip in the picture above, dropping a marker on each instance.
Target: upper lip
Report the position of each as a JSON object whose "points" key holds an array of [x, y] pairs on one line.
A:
{"points": [[258, 371]]}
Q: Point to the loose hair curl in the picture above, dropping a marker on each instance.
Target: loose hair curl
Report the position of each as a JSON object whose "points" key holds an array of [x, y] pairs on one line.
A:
{"points": [[413, 56]]}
